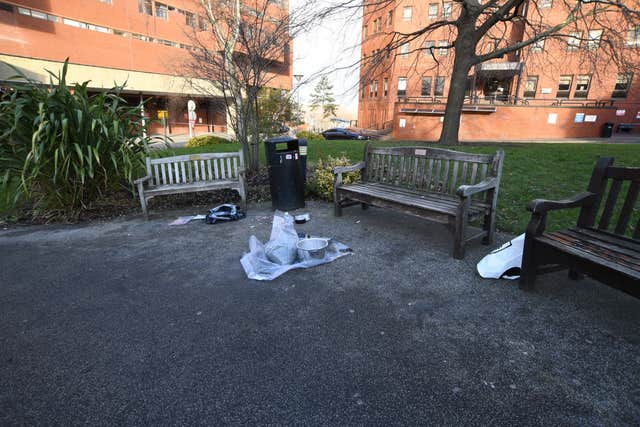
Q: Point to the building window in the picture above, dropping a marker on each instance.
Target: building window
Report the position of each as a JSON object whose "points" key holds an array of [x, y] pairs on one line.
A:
{"points": [[371, 89], [564, 86], [438, 89], [385, 87], [162, 11], [446, 9], [204, 26], [6, 7], [390, 18], [145, 6], [593, 40], [105, 1], [428, 47], [545, 4], [433, 10], [190, 19], [402, 86], [537, 46], [573, 42], [530, 87], [582, 86], [404, 50], [633, 37], [375, 88], [407, 12], [426, 86], [621, 88], [442, 47], [365, 31]]}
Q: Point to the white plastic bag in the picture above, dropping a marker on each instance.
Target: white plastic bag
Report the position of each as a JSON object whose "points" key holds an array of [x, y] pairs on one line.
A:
{"points": [[505, 262], [257, 264], [281, 247]]}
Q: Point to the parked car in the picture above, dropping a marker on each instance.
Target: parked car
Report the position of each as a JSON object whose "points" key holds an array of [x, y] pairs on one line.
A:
{"points": [[342, 133]]}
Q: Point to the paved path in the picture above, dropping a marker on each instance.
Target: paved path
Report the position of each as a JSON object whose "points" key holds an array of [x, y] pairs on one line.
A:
{"points": [[136, 323]]}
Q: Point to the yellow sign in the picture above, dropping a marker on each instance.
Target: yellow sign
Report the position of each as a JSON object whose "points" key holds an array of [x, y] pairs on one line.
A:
{"points": [[163, 114]]}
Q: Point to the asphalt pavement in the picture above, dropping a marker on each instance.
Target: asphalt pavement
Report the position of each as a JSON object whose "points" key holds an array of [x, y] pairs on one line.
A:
{"points": [[129, 322]]}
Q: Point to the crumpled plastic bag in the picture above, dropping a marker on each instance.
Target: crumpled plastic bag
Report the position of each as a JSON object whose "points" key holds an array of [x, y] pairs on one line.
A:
{"points": [[258, 266], [281, 247]]}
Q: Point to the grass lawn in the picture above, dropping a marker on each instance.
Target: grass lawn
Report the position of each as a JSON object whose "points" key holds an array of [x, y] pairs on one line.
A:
{"points": [[549, 171]]}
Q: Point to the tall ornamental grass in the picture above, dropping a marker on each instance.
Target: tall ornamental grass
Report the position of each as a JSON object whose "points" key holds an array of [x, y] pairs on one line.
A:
{"points": [[61, 147]]}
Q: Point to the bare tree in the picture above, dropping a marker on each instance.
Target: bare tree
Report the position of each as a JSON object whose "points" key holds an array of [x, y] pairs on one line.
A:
{"points": [[239, 48], [479, 31]]}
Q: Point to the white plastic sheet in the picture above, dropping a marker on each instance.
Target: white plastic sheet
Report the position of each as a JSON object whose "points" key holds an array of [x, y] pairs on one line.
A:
{"points": [[258, 266]]}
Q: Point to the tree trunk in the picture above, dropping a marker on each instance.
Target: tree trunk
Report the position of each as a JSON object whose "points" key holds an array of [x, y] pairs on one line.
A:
{"points": [[465, 46]]}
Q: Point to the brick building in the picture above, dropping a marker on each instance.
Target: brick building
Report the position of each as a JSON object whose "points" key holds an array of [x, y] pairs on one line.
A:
{"points": [[557, 88], [144, 43]]}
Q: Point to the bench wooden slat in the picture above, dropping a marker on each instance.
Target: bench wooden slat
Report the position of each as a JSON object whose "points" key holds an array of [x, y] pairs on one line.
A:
{"points": [[605, 236], [435, 203], [454, 178], [627, 208], [445, 177], [474, 172], [594, 240], [610, 204], [592, 255]]}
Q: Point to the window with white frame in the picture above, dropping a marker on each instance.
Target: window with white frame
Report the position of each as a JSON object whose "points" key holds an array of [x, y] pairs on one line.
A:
{"points": [[447, 9], [442, 48], [438, 89], [593, 39], [545, 4], [371, 89], [390, 18], [573, 41], [564, 86], [428, 47], [375, 88], [621, 87], [537, 46], [583, 81], [402, 86], [530, 87], [385, 87], [162, 11], [145, 7], [404, 50], [433, 10], [407, 13], [633, 37], [426, 86]]}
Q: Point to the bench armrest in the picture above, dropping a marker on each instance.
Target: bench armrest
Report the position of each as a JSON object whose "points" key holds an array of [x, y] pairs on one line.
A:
{"points": [[352, 168], [142, 180], [469, 190], [579, 200]]}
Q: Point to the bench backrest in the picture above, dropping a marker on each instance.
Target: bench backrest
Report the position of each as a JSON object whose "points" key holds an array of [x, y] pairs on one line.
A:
{"points": [[195, 168], [430, 170], [611, 212]]}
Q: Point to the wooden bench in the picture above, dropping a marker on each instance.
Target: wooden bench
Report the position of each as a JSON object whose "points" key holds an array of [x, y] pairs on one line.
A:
{"points": [[192, 173], [446, 186], [605, 250]]}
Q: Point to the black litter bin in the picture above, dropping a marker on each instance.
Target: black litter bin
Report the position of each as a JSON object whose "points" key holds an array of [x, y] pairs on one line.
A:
{"points": [[287, 171], [607, 130]]}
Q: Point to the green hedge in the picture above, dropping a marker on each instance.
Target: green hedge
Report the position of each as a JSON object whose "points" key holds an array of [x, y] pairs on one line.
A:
{"points": [[204, 140]]}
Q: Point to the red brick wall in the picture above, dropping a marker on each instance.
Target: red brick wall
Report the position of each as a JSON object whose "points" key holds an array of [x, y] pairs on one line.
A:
{"points": [[515, 123]]}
